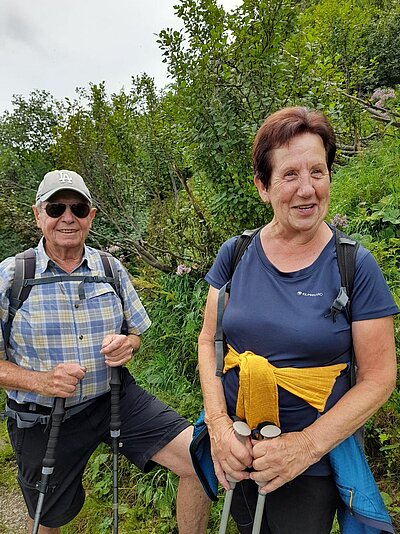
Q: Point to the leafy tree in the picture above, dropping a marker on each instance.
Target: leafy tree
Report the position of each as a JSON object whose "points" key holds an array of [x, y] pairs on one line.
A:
{"points": [[26, 138], [383, 47]]}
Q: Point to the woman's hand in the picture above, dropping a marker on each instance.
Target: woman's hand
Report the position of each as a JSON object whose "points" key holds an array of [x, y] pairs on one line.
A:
{"points": [[117, 349], [229, 454], [281, 459]]}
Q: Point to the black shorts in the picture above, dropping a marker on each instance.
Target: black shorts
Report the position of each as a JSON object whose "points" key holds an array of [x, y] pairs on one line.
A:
{"points": [[306, 505], [147, 425]]}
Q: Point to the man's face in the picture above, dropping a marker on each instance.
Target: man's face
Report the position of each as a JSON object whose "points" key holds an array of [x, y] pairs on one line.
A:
{"points": [[67, 232]]}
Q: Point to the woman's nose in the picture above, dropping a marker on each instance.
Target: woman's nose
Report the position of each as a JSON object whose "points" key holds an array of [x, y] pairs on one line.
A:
{"points": [[306, 187]]}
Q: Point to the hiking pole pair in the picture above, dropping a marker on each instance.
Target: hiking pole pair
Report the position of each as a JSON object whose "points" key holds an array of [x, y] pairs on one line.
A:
{"points": [[49, 460], [242, 432], [115, 432], [268, 431]]}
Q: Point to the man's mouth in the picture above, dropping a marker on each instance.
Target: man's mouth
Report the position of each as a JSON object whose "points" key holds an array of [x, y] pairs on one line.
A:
{"points": [[305, 207]]}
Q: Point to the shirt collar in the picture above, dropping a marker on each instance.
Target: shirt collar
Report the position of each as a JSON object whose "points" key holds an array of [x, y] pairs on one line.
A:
{"points": [[43, 260]]}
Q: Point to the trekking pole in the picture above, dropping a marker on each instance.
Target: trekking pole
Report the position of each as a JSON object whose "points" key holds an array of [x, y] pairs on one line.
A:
{"points": [[267, 432], [115, 431], [49, 459], [242, 432]]}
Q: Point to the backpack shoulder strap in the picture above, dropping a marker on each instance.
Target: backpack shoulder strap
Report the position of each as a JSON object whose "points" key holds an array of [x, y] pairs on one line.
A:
{"points": [[242, 242], [111, 272], [25, 267], [346, 251]]}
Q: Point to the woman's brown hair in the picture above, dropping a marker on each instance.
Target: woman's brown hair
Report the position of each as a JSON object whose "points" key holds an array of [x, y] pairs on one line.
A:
{"points": [[282, 126]]}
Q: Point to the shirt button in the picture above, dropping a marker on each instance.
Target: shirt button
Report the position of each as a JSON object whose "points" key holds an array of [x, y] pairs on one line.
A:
{"points": [[76, 305], [81, 337]]}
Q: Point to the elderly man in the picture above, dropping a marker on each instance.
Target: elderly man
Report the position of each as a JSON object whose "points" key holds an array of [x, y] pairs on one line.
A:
{"points": [[63, 342]]}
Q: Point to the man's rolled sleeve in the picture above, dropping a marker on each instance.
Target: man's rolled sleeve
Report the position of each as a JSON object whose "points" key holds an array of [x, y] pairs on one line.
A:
{"points": [[134, 312]]}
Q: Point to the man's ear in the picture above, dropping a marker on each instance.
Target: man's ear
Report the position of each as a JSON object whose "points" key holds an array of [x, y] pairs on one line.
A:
{"points": [[92, 214], [36, 213]]}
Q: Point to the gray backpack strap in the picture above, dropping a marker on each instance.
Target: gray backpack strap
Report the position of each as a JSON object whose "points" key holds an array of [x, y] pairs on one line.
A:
{"points": [[112, 273], [242, 242], [219, 339], [24, 280], [25, 266]]}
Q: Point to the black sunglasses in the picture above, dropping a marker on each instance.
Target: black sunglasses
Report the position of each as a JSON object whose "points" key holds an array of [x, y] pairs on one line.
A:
{"points": [[56, 209]]}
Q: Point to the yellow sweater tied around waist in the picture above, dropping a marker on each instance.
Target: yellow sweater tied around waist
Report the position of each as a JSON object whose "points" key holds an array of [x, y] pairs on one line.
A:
{"points": [[257, 399]]}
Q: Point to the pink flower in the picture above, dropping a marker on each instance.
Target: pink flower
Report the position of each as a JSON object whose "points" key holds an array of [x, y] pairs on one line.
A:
{"points": [[182, 269]]}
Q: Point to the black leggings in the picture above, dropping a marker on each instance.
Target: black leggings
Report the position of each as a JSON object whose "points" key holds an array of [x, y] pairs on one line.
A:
{"points": [[306, 505]]}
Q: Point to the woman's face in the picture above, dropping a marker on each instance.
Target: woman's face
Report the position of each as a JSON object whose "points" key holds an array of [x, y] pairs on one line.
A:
{"points": [[299, 187]]}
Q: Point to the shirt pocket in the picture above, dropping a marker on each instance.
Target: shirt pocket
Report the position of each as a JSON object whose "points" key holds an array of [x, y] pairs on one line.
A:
{"points": [[103, 309]]}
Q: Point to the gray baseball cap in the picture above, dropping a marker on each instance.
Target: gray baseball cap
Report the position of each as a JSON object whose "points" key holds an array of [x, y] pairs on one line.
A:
{"points": [[55, 181]]}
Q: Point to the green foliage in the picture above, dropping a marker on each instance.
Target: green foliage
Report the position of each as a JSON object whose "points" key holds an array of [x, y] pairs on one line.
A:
{"points": [[225, 69], [174, 304], [171, 175], [383, 46]]}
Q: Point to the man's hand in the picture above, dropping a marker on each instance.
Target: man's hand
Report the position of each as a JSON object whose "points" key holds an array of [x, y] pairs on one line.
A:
{"points": [[117, 349], [61, 381]]}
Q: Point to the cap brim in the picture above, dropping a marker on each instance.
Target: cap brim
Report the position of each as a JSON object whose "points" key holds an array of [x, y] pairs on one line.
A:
{"points": [[46, 196]]}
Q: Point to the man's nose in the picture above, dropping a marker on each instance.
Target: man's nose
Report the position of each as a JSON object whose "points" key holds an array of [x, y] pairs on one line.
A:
{"points": [[68, 215]]}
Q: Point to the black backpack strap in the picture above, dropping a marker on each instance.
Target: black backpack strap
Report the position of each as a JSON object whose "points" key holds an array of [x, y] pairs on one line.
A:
{"points": [[242, 242], [25, 266], [346, 251]]}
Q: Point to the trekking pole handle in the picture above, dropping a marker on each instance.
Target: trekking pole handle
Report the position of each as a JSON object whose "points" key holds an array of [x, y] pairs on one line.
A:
{"points": [[242, 433], [269, 431], [115, 386], [57, 417]]}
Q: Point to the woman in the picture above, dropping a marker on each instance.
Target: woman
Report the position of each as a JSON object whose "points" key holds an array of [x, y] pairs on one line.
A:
{"points": [[281, 293]]}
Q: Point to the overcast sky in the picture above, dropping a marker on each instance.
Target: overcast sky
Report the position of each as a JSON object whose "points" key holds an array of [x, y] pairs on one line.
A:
{"points": [[58, 45]]}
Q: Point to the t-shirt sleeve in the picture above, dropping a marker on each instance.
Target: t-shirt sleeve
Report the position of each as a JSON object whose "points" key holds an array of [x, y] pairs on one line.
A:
{"points": [[220, 272], [371, 297]]}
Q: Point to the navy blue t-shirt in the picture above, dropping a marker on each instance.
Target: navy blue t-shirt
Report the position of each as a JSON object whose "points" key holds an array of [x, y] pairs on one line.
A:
{"points": [[282, 316]]}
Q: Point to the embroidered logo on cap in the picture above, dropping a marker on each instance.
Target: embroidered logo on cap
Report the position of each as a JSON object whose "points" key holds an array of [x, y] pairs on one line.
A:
{"points": [[65, 178]]}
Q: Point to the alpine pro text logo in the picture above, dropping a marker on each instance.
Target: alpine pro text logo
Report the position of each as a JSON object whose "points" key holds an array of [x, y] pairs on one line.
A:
{"points": [[303, 294]]}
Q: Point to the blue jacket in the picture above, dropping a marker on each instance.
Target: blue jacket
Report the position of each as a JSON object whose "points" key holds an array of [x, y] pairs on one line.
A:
{"points": [[362, 509]]}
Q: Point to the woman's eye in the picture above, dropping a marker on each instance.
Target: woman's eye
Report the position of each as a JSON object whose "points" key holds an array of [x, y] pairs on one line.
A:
{"points": [[316, 172], [290, 175]]}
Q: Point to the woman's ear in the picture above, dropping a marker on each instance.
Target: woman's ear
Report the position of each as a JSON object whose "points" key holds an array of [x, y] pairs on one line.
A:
{"points": [[261, 189]]}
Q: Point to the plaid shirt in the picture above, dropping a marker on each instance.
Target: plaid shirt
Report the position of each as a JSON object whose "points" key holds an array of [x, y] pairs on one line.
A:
{"points": [[55, 326]]}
